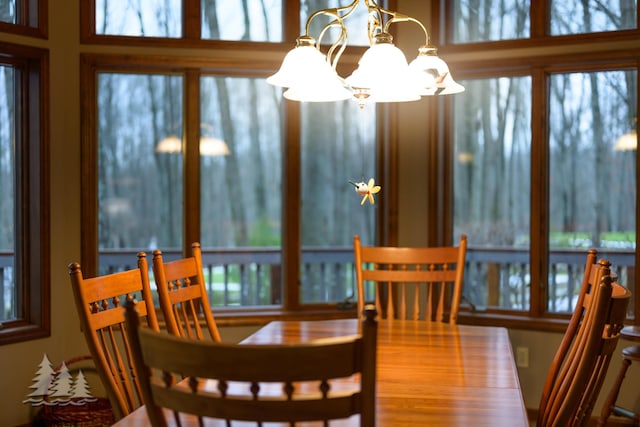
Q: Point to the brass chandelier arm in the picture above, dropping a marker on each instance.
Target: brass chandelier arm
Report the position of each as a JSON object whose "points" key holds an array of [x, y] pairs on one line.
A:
{"points": [[398, 17], [339, 14], [340, 44]]}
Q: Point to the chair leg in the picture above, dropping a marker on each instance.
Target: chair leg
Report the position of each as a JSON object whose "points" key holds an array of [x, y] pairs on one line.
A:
{"points": [[610, 402]]}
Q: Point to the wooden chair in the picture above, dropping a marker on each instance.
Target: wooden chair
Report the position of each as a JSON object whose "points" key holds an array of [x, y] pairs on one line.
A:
{"points": [[429, 280], [99, 302], [183, 295], [286, 383], [579, 368]]}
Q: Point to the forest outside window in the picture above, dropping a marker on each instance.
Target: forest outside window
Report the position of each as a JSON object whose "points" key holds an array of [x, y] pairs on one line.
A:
{"points": [[592, 16], [492, 187], [231, 20], [24, 229]]}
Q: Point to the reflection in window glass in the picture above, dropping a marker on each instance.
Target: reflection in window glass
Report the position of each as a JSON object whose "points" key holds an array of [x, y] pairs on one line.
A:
{"points": [[338, 146], [356, 23], [139, 179], [592, 183], [253, 20], [591, 16], [147, 18], [490, 20], [9, 303], [492, 188], [8, 13], [241, 191]]}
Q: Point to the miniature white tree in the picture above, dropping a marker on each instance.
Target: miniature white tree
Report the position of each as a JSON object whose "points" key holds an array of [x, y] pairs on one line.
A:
{"points": [[62, 384], [42, 380], [80, 388]]}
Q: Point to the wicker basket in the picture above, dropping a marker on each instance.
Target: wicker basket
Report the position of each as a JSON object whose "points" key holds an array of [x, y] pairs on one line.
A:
{"points": [[90, 414]]}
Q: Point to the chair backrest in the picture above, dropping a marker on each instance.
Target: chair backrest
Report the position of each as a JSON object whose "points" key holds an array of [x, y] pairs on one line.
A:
{"points": [[289, 383], [418, 283], [100, 304], [572, 327], [582, 360], [183, 295]]}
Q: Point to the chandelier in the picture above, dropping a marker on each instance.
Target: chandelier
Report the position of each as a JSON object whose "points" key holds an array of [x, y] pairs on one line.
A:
{"points": [[383, 73]]}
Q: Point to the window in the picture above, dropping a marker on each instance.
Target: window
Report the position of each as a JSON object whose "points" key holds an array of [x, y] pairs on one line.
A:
{"points": [[492, 184], [24, 228], [338, 146], [25, 17], [201, 148], [159, 19], [579, 17], [479, 21], [537, 176]]}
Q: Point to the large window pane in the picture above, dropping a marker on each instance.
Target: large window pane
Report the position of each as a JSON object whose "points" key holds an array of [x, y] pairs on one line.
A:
{"points": [[492, 185], [592, 184], [338, 146], [241, 192], [8, 11], [146, 18], [252, 20], [590, 16], [139, 181], [9, 302], [490, 20]]}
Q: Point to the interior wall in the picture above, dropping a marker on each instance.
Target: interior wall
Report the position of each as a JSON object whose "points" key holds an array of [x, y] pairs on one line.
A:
{"points": [[20, 361]]}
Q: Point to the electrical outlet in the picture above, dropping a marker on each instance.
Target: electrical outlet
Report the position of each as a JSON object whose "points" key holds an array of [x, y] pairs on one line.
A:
{"points": [[522, 357]]}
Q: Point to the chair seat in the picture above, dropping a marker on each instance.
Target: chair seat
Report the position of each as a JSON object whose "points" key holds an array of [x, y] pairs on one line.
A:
{"points": [[632, 353]]}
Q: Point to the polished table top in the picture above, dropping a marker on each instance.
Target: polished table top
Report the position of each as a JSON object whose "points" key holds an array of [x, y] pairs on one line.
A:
{"points": [[429, 374]]}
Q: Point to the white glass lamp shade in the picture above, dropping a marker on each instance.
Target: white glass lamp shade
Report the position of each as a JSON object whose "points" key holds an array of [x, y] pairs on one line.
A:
{"points": [[296, 66], [210, 146], [309, 77], [170, 144], [383, 74], [628, 141], [323, 89], [433, 73]]}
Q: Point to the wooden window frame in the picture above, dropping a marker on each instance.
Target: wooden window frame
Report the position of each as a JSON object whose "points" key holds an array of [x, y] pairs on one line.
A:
{"points": [[232, 58], [538, 56], [32, 251]]}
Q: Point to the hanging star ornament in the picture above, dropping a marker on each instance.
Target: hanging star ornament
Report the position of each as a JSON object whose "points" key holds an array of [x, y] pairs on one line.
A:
{"points": [[366, 190]]}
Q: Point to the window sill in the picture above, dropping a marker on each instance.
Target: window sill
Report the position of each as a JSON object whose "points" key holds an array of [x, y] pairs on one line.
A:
{"points": [[512, 321]]}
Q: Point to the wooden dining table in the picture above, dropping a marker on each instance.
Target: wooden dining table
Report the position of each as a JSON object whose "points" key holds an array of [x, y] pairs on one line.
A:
{"points": [[428, 374]]}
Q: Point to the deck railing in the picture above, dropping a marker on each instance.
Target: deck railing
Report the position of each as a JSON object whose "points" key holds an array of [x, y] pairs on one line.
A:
{"points": [[252, 276]]}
